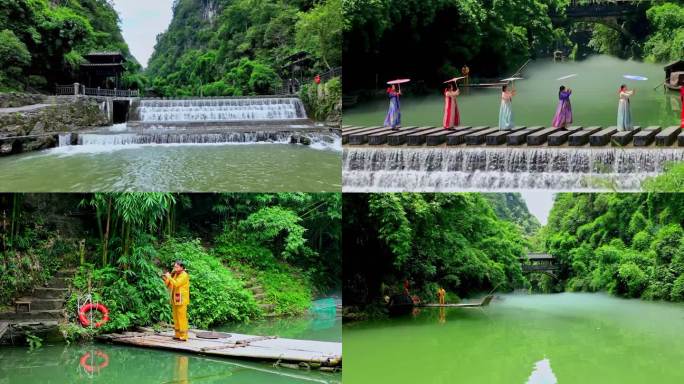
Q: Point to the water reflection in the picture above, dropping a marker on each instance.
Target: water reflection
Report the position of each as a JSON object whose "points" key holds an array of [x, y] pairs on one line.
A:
{"points": [[542, 373], [94, 362]]}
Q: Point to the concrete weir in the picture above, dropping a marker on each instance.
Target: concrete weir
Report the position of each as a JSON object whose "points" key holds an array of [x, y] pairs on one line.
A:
{"points": [[469, 158], [259, 119]]}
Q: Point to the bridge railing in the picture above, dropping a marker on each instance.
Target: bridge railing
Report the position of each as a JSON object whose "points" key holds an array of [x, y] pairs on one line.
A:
{"points": [[292, 86], [80, 89], [574, 3], [536, 268]]}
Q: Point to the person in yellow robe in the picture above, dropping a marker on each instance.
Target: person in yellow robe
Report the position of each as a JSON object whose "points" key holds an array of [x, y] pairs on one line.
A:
{"points": [[441, 294], [178, 283]]}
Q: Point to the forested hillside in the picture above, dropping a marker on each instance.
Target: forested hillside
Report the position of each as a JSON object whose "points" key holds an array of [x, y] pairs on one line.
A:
{"points": [[511, 207], [451, 240], [629, 244], [240, 47], [42, 42]]}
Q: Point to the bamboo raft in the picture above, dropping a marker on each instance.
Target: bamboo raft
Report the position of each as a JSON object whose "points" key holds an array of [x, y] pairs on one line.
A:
{"points": [[483, 303], [326, 356]]}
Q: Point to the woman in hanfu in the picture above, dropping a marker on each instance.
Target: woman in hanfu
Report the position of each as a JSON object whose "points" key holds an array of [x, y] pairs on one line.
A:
{"points": [[506, 111], [393, 118], [563, 115], [451, 116], [624, 117]]}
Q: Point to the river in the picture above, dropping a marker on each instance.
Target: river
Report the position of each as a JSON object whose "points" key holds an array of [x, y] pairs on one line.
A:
{"points": [[80, 363], [594, 98], [523, 339], [175, 167]]}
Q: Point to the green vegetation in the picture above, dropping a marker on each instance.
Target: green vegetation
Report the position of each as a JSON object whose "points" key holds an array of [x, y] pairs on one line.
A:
{"points": [[42, 42], [631, 245], [324, 101], [29, 254], [511, 207], [121, 243], [666, 42], [451, 240], [240, 47], [430, 40]]}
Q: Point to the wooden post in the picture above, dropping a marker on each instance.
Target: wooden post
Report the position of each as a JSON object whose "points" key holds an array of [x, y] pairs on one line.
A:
{"points": [[76, 89]]}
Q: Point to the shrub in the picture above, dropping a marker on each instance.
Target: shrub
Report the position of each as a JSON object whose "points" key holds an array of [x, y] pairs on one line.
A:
{"points": [[677, 293], [632, 280], [666, 243], [216, 296]]}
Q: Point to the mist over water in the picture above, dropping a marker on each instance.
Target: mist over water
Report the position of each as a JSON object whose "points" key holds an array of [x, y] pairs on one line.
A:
{"points": [[594, 99], [520, 338]]}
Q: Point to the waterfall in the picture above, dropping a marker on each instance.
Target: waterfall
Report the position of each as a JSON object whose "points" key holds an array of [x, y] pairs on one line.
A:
{"points": [[318, 140], [449, 169], [64, 139], [225, 109]]}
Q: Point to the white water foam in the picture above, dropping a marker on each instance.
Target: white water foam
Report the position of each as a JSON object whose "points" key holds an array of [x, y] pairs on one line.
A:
{"points": [[501, 169], [321, 141], [64, 139], [122, 127], [234, 109]]}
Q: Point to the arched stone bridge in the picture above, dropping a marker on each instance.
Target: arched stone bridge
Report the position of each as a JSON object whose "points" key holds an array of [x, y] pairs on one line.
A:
{"points": [[540, 263]]}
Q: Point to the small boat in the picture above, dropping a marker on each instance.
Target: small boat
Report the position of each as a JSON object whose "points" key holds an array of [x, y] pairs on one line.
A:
{"points": [[400, 304], [674, 75]]}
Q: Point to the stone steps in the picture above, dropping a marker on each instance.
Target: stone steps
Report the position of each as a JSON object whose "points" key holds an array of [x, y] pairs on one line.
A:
{"points": [[257, 290], [252, 285], [259, 297], [58, 282], [52, 314], [50, 293], [42, 304]]}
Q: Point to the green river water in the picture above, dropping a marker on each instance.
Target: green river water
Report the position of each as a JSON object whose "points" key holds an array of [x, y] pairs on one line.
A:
{"points": [[60, 363], [594, 99], [173, 167], [518, 339]]}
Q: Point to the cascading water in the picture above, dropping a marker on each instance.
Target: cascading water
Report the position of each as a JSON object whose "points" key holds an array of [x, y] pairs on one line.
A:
{"points": [[230, 109], [439, 169], [64, 139], [317, 140]]}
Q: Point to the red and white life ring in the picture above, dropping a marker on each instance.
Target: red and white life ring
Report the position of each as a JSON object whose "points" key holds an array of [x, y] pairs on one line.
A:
{"points": [[89, 307], [89, 368]]}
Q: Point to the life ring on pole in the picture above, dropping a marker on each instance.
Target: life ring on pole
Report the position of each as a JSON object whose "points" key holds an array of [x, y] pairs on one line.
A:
{"points": [[89, 307], [89, 368]]}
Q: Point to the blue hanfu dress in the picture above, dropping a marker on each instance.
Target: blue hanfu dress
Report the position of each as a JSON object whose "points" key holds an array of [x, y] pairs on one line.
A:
{"points": [[506, 112], [563, 115], [393, 118], [624, 117]]}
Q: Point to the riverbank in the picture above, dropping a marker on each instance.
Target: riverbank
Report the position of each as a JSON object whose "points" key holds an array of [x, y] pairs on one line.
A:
{"points": [[582, 337], [33, 122]]}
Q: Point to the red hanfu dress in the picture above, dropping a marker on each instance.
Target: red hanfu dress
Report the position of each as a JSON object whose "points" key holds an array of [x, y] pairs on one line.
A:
{"points": [[681, 97], [451, 116]]}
